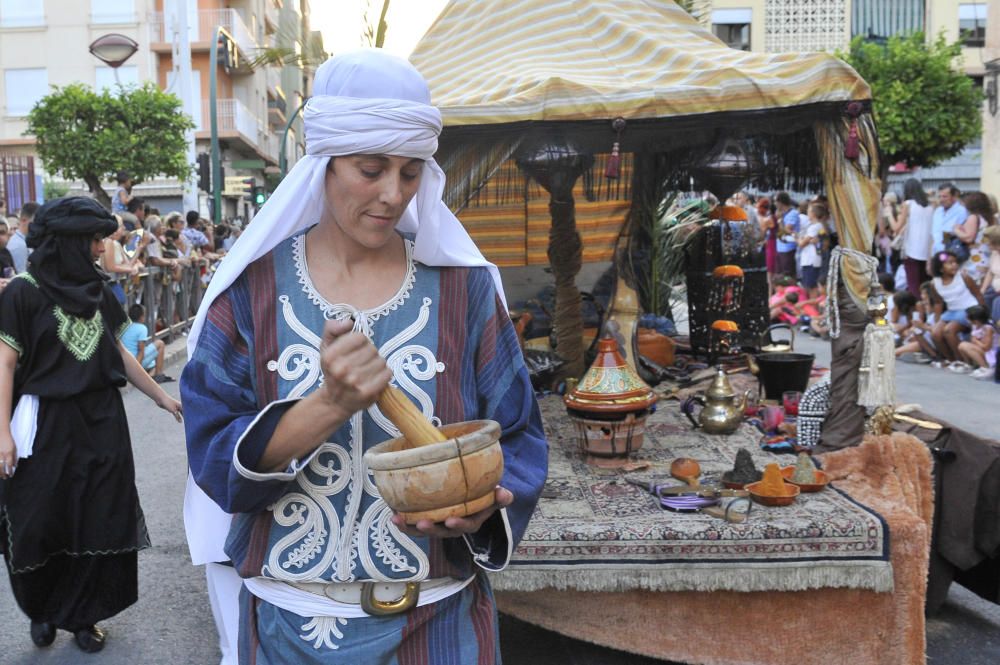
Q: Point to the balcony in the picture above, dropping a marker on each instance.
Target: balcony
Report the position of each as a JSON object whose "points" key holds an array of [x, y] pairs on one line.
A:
{"points": [[276, 111], [236, 122], [277, 114], [163, 32]]}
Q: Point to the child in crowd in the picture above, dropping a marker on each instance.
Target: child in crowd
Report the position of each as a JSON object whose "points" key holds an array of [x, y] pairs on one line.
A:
{"points": [[991, 280], [904, 306], [149, 352], [918, 345], [785, 306], [953, 292], [810, 241], [981, 349]]}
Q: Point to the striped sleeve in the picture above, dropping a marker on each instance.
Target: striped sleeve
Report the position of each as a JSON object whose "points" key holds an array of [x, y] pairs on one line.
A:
{"points": [[222, 414], [505, 395]]}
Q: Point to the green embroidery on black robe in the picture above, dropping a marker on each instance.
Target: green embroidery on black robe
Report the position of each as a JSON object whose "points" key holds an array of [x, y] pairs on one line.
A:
{"points": [[80, 336]]}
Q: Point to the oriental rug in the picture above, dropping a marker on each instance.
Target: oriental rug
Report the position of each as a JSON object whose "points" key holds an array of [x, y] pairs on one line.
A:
{"points": [[594, 531]]}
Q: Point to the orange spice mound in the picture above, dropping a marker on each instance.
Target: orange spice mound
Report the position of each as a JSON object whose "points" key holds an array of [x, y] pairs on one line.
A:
{"points": [[772, 484]]}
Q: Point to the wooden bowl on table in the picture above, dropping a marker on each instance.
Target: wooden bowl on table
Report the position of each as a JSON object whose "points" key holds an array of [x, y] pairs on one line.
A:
{"points": [[791, 491], [822, 480], [453, 478]]}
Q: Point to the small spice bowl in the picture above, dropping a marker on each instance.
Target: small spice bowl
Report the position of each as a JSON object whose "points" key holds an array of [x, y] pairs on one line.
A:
{"points": [[733, 485], [822, 480], [791, 491]]}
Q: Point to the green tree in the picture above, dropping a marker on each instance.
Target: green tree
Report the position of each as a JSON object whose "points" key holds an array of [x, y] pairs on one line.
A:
{"points": [[85, 135], [927, 110]]}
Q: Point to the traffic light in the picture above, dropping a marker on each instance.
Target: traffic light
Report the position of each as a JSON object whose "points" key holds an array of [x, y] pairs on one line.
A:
{"points": [[204, 172], [249, 186], [259, 196]]}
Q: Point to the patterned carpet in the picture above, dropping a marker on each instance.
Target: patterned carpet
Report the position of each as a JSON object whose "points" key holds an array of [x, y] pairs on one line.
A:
{"points": [[593, 531]]}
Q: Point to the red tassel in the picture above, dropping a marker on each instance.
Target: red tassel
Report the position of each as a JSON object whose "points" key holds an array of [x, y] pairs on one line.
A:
{"points": [[852, 147], [612, 168]]}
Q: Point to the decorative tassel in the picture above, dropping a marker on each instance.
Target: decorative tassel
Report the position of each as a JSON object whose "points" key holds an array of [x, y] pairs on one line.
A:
{"points": [[613, 167], [877, 380], [852, 147]]}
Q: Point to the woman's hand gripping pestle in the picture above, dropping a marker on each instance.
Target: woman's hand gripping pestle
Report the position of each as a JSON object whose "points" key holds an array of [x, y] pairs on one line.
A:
{"points": [[354, 377]]}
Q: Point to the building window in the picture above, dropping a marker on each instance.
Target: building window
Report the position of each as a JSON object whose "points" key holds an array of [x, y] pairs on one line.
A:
{"points": [[972, 23], [104, 77], [21, 13], [24, 87], [112, 11], [877, 20], [733, 27]]}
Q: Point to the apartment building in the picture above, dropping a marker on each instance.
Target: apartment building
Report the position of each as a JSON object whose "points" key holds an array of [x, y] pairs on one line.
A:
{"points": [[45, 43], [778, 26]]}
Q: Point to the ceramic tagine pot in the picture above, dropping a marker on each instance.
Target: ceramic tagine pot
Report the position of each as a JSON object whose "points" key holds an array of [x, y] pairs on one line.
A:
{"points": [[609, 407]]}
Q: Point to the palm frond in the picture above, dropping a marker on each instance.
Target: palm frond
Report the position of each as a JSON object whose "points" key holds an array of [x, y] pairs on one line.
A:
{"points": [[657, 259]]}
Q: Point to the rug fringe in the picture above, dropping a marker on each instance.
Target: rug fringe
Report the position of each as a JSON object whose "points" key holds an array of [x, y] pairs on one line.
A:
{"points": [[744, 577]]}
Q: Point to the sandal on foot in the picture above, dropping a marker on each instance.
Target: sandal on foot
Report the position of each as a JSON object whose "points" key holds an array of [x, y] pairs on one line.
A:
{"points": [[90, 639]]}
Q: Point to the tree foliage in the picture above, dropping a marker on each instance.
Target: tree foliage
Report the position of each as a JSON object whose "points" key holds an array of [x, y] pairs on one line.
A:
{"points": [[90, 136], [927, 110]]}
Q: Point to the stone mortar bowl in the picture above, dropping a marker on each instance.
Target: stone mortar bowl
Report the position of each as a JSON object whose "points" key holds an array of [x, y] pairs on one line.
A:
{"points": [[453, 478]]}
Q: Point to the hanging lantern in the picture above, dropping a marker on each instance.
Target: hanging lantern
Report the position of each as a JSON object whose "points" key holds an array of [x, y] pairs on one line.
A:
{"points": [[726, 167]]}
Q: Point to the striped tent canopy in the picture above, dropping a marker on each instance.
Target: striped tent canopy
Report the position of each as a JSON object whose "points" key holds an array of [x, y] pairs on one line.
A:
{"points": [[505, 61]]}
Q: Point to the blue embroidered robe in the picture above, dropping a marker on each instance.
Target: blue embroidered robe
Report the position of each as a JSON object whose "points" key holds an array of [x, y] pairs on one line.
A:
{"points": [[451, 347]]}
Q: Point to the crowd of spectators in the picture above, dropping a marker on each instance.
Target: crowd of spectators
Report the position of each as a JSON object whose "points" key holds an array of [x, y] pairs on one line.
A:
{"points": [[939, 260]]}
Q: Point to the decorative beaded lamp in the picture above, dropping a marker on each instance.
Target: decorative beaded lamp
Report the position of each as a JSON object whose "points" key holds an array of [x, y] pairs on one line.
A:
{"points": [[727, 289], [609, 407], [724, 338]]}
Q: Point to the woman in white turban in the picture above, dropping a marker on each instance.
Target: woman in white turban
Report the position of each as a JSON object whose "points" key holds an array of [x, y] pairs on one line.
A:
{"points": [[355, 274]]}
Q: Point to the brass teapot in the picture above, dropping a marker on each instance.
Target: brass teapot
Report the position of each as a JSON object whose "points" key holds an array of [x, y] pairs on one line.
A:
{"points": [[721, 412]]}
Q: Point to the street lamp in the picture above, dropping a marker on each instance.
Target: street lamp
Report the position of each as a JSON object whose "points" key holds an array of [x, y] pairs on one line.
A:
{"points": [[113, 50]]}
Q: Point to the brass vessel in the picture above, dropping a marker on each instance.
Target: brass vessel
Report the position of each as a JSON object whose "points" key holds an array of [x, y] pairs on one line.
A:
{"points": [[721, 411]]}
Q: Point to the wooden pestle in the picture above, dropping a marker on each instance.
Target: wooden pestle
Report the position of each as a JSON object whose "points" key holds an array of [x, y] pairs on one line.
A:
{"points": [[408, 418]]}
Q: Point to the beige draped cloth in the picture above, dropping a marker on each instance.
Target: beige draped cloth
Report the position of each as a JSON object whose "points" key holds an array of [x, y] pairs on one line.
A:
{"points": [[855, 192]]}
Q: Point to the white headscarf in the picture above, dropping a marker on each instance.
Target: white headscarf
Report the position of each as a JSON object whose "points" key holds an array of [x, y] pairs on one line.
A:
{"points": [[365, 102]]}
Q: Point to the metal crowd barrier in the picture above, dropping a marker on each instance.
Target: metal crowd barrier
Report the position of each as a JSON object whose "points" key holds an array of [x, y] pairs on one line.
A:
{"points": [[155, 289]]}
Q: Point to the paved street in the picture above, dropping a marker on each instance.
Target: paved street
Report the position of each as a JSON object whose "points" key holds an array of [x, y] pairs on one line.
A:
{"points": [[172, 623]]}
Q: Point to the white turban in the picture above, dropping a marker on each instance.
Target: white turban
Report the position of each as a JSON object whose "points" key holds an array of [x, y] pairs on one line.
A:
{"points": [[365, 102]]}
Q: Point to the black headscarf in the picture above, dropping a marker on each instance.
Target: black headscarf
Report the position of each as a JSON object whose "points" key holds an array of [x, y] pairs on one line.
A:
{"points": [[60, 235]]}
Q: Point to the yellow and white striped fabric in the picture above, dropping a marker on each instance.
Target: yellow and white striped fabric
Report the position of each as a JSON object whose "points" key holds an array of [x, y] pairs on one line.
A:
{"points": [[500, 61]]}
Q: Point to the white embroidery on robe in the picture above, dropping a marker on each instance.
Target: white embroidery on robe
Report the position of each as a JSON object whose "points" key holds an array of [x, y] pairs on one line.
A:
{"points": [[321, 544], [323, 631]]}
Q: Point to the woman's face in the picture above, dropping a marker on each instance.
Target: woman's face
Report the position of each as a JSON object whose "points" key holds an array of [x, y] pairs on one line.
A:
{"points": [[367, 194], [96, 246]]}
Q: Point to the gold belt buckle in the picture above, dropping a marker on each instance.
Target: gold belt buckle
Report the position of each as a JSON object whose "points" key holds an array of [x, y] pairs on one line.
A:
{"points": [[379, 608]]}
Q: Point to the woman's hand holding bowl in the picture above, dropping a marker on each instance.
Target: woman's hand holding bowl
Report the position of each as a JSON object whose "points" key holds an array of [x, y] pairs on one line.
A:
{"points": [[455, 527]]}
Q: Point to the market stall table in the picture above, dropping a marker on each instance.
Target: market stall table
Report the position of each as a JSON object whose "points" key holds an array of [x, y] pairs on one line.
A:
{"points": [[840, 573]]}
